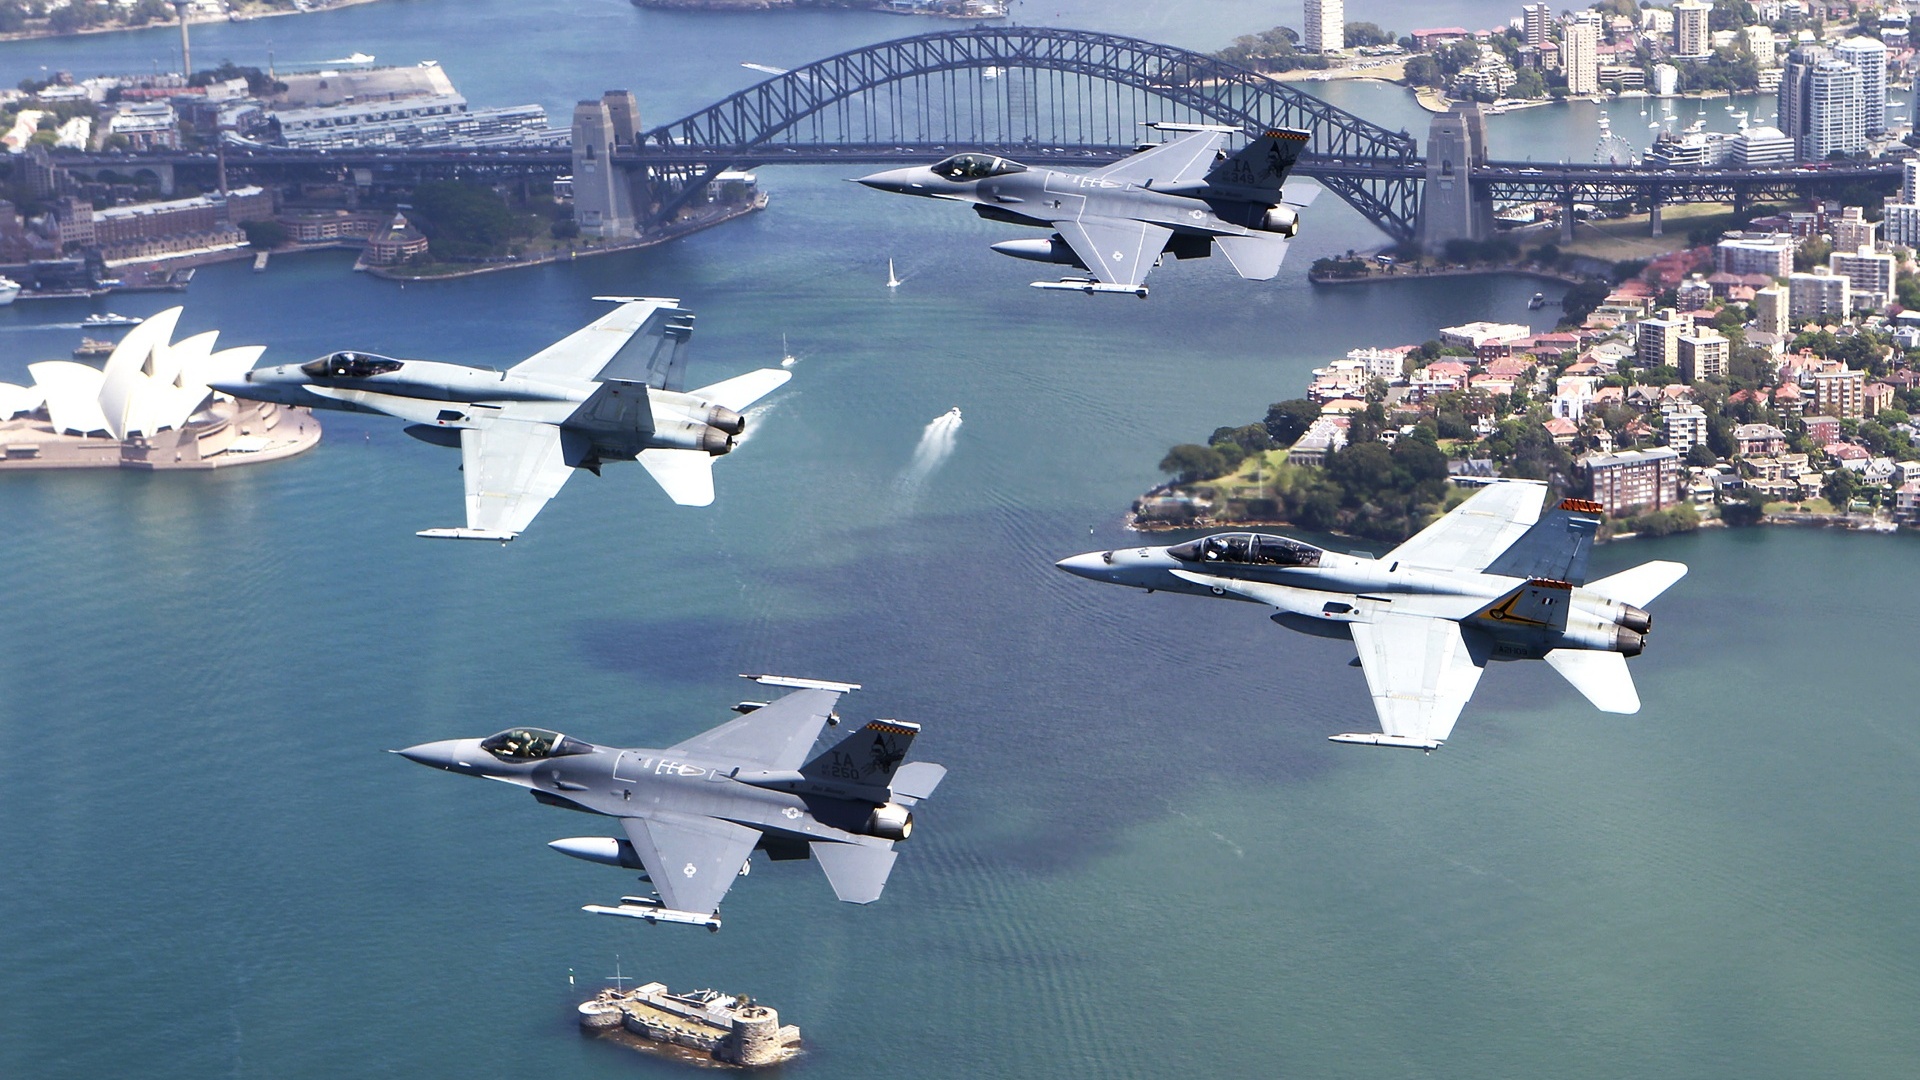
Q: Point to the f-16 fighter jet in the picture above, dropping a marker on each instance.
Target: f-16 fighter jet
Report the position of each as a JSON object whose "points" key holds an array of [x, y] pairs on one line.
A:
{"points": [[608, 392], [692, 815], [1493, 580], [1179, 198]]}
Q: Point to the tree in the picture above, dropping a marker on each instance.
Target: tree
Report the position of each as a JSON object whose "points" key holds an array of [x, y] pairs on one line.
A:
{"points": [[1424, 70], [1701, 456], [1251, 439], [1527, 83], [1364, 34], [1189, 462], [1839, 487], [1288, 420]]}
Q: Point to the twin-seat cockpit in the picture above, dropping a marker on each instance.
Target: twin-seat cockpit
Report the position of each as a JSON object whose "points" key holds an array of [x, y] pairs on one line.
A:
{"points": [[962, 168], [351, 365], [525, 744], [1247, 549]]}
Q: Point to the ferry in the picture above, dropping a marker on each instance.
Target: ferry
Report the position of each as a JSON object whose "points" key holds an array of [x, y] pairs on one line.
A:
{"points": [[92, 347], [111, 319], [9, 291]]}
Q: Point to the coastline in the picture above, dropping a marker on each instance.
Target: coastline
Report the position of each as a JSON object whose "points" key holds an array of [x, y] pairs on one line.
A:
{"points": [[1469, 271], [44, 32]]}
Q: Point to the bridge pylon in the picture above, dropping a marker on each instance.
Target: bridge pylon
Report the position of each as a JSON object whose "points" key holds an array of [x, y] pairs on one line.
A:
{"points": [[1451, 208], [603, 190]]}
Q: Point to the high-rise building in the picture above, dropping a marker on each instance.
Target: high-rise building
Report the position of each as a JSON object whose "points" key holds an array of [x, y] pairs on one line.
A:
{"points": [[1852, 231], [1657, 340], [1580, 50], [1690, 37], [1869, 57], [1869, 277], [1770, 254], [1820, 105], [1536, 22], [1770, 310], [1841, 393], [1821, 294], [1900, 219], [1686, 427], [1326, 25], [1703, 355]]}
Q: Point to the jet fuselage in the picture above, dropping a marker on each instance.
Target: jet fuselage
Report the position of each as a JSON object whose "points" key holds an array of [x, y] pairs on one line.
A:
{"points": [[1323, 592]]}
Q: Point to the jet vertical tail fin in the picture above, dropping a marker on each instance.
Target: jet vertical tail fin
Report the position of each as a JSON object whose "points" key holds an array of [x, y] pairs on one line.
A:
{"points": [[1261, 167], [1556, 546], [866, 759]]}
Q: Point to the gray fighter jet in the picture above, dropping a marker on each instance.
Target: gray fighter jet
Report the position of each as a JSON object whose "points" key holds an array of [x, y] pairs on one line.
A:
{"points": [[692, 815], [608, 392], [1180, 198], [1493, 580]]}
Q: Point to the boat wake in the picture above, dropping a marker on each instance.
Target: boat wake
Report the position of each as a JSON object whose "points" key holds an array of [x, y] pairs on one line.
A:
{"points": [[936, 446]]}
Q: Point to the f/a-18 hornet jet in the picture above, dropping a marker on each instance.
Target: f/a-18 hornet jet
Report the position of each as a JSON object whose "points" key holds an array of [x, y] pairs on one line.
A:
{"points": [[1179, 198], [608, 392], [691, 816], [1493, 580]]}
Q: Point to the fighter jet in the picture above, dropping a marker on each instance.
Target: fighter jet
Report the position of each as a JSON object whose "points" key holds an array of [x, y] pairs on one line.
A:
{"points": [[1178, 198], [1493, 580], [608, 392], [692, 815]]}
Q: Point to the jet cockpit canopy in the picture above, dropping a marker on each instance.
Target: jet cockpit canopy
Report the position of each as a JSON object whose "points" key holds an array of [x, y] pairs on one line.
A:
{"points": [[532, 744], [963, 167], [1247, 549], [350, 365]]}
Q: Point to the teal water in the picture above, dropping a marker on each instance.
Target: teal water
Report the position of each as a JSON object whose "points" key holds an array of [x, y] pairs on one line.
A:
{"points": [[1146, 862]]}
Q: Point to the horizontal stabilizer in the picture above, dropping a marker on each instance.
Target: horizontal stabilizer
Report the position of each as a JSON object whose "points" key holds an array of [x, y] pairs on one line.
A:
{"points": [[857, 872], [686, 475], [1641, 585], [1303, 197], [466, 534], [1363, 738], [916, 780], [1601, 676], [637, 299], [743, 390], [1256, 258], [803, 684]]}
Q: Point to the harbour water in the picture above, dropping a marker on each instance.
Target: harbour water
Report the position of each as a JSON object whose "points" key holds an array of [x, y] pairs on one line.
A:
{"points": [[1146, 861]]}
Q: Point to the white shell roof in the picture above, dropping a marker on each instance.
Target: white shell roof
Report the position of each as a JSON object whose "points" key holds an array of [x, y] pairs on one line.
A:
{"points": [[150, 383]]}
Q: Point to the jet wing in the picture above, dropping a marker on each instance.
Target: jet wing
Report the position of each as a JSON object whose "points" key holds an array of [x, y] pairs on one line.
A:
{"points": [[1421, 672], [1119, 252], [1185, 158], [512, 467], [778, 736], [691, 859], [599, 350], [1478, 531]]}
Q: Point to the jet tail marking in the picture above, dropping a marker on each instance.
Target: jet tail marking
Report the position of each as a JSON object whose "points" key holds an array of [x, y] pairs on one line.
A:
{"points": [[1262, 165], [1540, 604]]}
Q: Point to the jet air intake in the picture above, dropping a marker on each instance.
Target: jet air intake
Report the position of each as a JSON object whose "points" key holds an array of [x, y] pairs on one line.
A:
{"points": [[890, 822]]}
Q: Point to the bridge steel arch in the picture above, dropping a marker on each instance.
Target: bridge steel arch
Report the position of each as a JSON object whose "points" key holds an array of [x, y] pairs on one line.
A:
{"points": [[1013, 89]]}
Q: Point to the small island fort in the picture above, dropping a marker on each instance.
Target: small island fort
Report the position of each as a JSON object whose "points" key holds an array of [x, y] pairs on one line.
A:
{"points": [[707, 1024]]}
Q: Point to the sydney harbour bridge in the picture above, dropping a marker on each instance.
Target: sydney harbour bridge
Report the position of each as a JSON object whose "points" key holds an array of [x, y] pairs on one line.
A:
{"points": [[1046, 96]]}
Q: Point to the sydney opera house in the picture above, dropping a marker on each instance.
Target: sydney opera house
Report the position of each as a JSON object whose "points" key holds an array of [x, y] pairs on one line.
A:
{"points": [[149, 408]]}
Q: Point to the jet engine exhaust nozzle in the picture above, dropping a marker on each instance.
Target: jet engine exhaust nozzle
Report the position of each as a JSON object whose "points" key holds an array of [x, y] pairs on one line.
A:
{"points": [[1635, 619], [715, 441], [726, 420], [1629, 642], [1280, 220], [890, 822]]}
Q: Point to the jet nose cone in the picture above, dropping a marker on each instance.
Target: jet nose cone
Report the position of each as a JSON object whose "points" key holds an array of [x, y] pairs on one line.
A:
{"points": [[904, 181], [1097, 565], [231, 389], [444, 754]]}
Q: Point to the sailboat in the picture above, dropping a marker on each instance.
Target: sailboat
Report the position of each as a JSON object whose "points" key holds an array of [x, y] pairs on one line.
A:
{"points": [[787, 359], [893, 280]]}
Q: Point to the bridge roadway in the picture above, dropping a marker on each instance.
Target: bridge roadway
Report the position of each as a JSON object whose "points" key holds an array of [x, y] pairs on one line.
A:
{"points": [[1503, 181]]}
